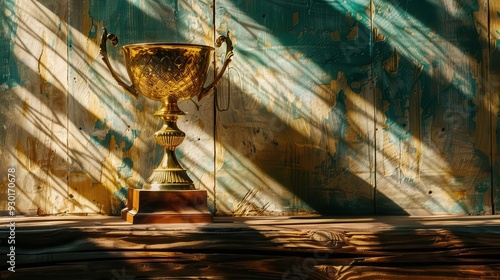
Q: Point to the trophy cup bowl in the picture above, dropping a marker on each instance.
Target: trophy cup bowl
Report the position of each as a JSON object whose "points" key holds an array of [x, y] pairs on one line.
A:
{"points": [[167, 73]]}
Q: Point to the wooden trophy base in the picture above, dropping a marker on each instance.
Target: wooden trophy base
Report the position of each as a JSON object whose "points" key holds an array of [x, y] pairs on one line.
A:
{"points": [[166, 207]]}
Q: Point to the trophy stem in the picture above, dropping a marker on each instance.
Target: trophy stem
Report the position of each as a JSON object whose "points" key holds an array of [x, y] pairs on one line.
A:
{"points": [[169, 175], [168, 196]]}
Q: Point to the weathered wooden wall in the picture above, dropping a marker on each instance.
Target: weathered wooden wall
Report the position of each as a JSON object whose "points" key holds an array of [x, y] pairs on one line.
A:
{"points": [[435, 122], [359, 106]]}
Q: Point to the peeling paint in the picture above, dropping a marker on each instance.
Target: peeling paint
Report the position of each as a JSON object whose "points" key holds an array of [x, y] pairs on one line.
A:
{"points": [[121, 194], [103, 135], [9, 73], [125, 169]]}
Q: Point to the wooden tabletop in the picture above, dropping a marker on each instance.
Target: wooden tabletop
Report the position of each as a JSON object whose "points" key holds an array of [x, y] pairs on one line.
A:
{"points": [[311, 247]]}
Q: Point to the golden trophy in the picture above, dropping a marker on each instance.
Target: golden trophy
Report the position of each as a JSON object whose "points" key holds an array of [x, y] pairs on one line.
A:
{"points": [[167, 73]]}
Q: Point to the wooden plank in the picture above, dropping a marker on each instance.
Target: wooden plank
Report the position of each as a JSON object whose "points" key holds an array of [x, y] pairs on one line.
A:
{"points": [[346, 249], [493, 85], [34, 104], [296, 134], [434, 119]]}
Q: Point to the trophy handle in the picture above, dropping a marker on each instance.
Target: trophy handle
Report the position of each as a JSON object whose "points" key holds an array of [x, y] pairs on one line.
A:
{"points": [[229, 53], [114, 40]]}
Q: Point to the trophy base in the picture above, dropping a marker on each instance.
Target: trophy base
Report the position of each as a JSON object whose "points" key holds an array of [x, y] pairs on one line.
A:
{"points": [[166, 207]]}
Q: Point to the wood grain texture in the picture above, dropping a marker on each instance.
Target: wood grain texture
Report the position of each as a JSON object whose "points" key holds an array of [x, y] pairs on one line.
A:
{"points": [[300, 123], [34, 104], [432, 147], [493, 85], [281, 248]]}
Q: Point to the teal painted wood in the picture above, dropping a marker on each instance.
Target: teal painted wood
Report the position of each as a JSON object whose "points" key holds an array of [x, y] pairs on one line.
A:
{"points": [[291, 140], [430, 111], [8, 70], [433, 157], [9, 75], [33, 104]]}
